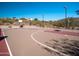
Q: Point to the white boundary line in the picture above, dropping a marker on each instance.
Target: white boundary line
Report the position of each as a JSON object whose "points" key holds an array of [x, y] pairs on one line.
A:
{"points": [[46, 45], [7, 43]]}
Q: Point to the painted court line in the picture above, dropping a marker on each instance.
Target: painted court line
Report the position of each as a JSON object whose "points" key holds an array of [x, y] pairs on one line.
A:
{"points": [[7, 44], [46, 45]]}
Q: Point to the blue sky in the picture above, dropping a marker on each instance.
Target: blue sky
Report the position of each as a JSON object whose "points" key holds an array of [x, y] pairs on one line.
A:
{"points": [[50, 10]]}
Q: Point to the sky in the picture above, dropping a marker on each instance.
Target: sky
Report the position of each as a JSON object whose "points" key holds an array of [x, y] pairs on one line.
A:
{"points": [[47, 10]]}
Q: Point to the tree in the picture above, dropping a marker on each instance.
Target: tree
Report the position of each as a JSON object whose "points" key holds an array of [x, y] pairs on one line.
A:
{"points": [[50, 22], [35, 19], [14, 18], [71, 23], [23, 19]]}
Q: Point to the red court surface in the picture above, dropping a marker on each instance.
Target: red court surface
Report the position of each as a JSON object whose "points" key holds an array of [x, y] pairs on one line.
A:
{"points": [[3, 47], [63, 32]]}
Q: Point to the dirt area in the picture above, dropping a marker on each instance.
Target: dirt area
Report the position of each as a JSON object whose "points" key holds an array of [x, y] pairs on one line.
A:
{"points": [[66, 46]]}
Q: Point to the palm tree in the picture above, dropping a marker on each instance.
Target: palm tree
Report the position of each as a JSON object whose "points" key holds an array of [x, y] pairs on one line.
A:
{"points": [[77, 12]]}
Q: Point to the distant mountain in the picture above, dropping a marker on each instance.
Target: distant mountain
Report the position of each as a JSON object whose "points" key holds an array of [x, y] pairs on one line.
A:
{"points": [[74, 21]]}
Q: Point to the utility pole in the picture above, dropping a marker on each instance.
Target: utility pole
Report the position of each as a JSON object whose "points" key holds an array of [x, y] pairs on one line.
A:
{"points": [[66, 21], [43, 20]]}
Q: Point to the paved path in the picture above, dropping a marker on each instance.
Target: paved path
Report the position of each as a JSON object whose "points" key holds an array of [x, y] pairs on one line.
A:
{"points": [[64, 32], [23, 41], [3, 47]]}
